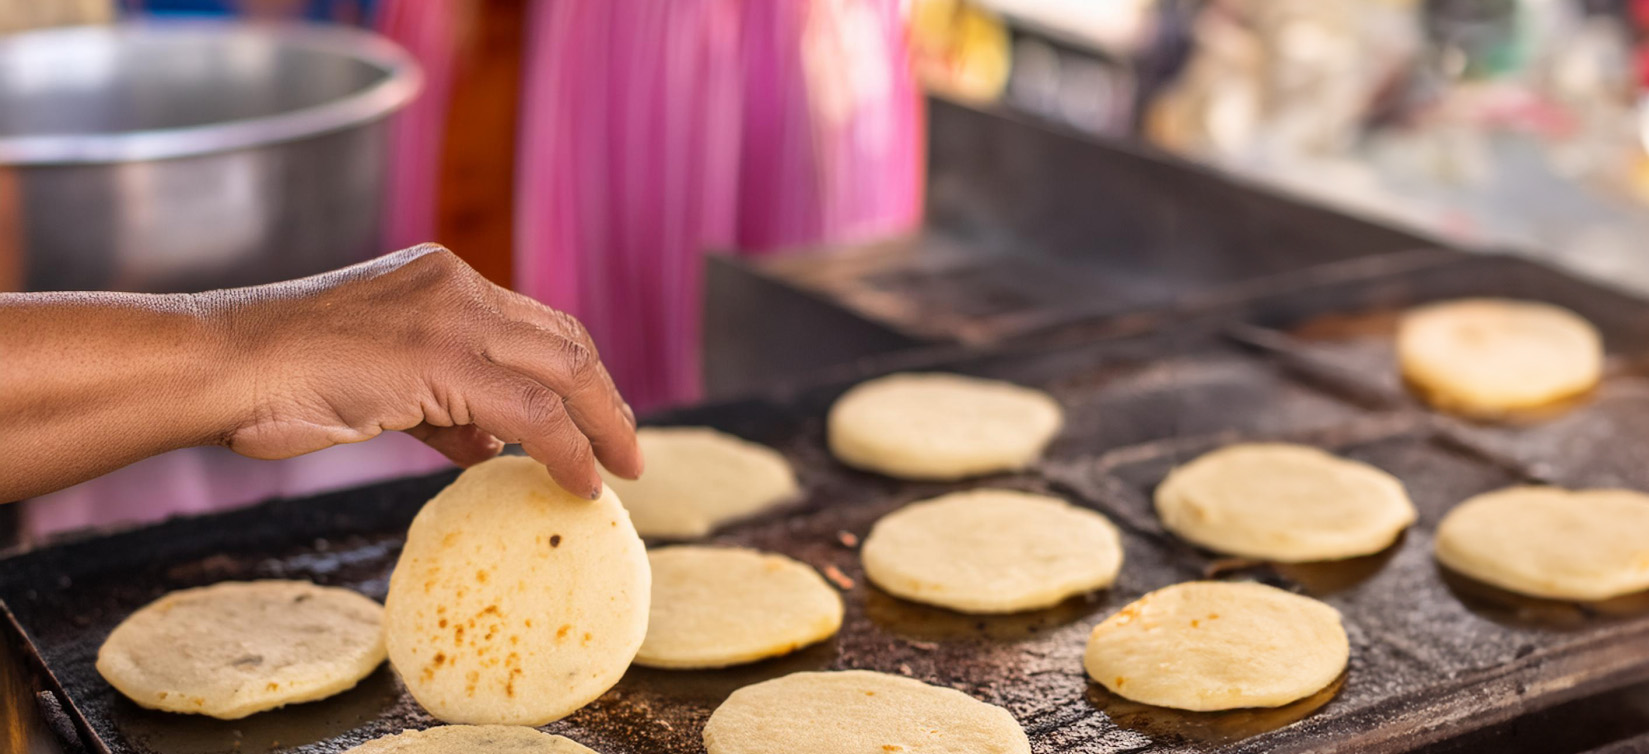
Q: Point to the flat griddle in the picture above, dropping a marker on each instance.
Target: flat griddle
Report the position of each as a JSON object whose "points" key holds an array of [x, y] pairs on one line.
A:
{"points": [[1434, 655]]}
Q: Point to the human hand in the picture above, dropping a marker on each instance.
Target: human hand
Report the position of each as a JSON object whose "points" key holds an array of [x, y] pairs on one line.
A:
{"points": [[417, 341]]}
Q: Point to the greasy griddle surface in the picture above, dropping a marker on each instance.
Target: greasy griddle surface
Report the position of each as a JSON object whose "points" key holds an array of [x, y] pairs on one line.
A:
{"points": [[1433, 654]]}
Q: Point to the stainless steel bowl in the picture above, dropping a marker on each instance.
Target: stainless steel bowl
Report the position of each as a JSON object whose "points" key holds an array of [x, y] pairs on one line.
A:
{"points": [[164, 157]]}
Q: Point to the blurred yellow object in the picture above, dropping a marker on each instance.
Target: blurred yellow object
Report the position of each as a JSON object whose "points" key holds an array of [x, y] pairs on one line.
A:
{"points": [[961, 50], [18, 15]]}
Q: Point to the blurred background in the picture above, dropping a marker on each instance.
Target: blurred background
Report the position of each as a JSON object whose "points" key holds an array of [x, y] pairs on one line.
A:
{"points": [[736, 194]]}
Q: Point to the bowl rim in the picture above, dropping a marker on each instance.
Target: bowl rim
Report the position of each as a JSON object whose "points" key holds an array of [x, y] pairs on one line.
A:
{"points": [[402, 81]]}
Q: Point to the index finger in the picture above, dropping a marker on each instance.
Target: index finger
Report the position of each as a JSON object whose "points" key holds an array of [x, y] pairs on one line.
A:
{"points": [[554, 349]]}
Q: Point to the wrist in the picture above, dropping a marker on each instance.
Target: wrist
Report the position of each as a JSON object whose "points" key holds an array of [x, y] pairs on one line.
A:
{"points": [[226, 354]]}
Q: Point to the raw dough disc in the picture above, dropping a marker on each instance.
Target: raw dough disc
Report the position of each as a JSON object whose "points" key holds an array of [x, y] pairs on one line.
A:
{"points": [[720, 606], [859, 712], [1488, 357], [1551, 542], [515, 602], [992, 551], [1210, 645], [232, 649], [941, 426], [1284, 503], [470, 739], [698, 478]]}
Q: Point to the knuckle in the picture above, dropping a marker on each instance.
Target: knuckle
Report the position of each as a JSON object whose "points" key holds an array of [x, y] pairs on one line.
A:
{"points": [[434, 264], [541, 408], [435, 254], [579, 357], [571, 328]]}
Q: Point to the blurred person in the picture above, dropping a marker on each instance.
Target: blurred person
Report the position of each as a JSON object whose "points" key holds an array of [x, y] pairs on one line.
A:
{"points": [[92, 382]]}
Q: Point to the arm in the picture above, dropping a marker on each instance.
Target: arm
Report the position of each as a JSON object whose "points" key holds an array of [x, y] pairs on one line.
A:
{"points": [[414, 341]]}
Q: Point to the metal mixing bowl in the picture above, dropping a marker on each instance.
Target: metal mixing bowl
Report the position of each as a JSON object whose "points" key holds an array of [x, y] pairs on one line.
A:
{"points": [[164, 157]]}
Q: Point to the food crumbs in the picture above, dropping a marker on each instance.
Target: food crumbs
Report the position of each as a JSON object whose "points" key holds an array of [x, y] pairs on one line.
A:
{"points": [[555, 540], [838, 578], [847, 538]]}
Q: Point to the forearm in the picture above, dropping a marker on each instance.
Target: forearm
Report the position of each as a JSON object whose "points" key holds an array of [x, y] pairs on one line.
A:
{"points": [[90, 382], [413, 341]]}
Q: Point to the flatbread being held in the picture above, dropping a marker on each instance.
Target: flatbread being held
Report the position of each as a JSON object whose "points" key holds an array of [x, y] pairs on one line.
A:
{"points": [[698, 479], [941, 426], [472, 739], [515, 602], [232, 649], [1284, 503], [1209, 645], [858, 712], [992, 551], [1491, 357], [1549, 542], [719, 606]]}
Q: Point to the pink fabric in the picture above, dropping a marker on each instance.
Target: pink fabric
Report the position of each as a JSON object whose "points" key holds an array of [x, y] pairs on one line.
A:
{"points": [[833, 125], [629, 146], [428, 30], [653, 132]]}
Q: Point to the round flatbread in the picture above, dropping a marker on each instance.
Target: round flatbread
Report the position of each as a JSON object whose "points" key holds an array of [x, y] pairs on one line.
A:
{"points": [[717, 606], [698, 479], [515, 602], [1284, 503], [992, 551], [1551, 542], [469, 739], [1488, 357], [232, 649], [1208, 645], [941, 426], [858, 712]]}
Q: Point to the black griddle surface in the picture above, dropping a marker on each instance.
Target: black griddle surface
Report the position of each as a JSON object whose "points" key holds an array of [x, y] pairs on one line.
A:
{"points": [[1434, 655]]}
